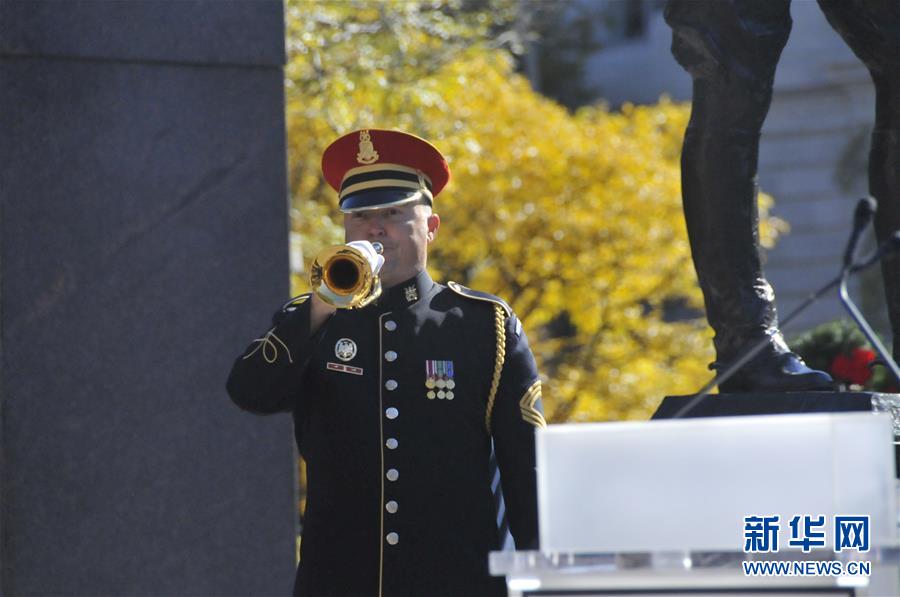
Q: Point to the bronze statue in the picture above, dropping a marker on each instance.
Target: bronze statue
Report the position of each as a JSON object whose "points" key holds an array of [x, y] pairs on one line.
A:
{"points": [[731, 48]]}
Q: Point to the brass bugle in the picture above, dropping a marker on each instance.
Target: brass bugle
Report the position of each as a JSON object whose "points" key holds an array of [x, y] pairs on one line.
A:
{"points": [[342, 277]]}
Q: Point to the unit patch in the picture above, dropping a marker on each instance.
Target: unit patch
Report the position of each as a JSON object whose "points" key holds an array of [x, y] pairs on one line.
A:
{"points": [[345, 349]]}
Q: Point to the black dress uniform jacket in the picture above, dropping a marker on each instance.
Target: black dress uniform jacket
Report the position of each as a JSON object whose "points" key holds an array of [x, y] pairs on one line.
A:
{"points": [[399, 485]]}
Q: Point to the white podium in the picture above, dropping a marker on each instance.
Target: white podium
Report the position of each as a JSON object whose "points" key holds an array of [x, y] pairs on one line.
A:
{"points": [[681, 507]]}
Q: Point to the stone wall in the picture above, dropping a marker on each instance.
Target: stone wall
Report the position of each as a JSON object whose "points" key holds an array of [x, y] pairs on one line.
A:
{"points": [[143, 243]]}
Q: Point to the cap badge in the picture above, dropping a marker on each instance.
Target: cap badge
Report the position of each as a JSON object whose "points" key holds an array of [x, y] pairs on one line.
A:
{"points": [[345, 349], [439, 376], [411, 293], [367, 153]]}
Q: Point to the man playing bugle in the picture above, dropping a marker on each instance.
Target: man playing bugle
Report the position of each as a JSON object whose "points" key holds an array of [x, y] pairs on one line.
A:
{"points": [[399, 396]]}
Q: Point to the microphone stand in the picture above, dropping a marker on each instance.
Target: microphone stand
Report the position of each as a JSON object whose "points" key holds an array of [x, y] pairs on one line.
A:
{"points": [[863, 214], [861, 322]]}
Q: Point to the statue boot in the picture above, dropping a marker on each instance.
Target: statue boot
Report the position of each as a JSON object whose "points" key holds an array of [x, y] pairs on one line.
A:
{"points": [[722, 217], [731, 49]]}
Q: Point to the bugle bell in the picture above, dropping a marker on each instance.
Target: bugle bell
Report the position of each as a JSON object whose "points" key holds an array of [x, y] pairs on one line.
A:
{"points": [[346, 276]]}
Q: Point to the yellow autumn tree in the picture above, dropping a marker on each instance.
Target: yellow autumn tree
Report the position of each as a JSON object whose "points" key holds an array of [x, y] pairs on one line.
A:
{"points": [[575, 219]]}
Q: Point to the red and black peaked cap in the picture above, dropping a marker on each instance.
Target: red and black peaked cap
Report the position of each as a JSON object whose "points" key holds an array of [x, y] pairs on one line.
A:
{"points": [[374, 168]]}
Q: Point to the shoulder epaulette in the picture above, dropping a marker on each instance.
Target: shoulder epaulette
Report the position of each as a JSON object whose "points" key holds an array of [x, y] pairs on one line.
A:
{"points": [[296, 302], [479, 296]]}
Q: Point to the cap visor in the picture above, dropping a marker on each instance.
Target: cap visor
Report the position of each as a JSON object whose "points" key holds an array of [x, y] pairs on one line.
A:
{"points": [[377, 199]]}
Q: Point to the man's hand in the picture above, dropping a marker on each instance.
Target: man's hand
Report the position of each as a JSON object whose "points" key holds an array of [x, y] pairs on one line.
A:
{"points": [[319, 312], [372, 255]]}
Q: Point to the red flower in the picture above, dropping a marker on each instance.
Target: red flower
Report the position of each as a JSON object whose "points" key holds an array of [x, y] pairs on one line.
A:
{"points": [[853, 368]]}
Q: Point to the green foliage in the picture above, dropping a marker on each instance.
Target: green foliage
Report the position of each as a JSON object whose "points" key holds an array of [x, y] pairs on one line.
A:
{"points": [[839, 348], [820, 345]]}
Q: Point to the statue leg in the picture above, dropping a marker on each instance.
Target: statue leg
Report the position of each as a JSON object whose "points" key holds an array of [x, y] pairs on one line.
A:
{"points": [[884, 185], [872, 30], [731, 49]]}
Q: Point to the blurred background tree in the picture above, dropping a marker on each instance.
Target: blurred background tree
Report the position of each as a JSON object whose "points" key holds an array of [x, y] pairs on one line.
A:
{"points": [[574, 218]]}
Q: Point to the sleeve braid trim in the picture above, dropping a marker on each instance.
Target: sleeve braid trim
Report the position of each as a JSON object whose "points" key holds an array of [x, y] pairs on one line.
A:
{"points": [[529, 413], [269, 348], [500, 328]]}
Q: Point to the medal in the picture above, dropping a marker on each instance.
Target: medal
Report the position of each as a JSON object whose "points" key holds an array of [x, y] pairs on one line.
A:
{"points": [[430, 374], [439, 377]]}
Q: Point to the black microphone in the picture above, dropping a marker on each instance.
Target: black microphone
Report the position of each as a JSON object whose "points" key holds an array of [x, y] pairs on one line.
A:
{"points": [[891, 244], [865, 209], [886, 249]]}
